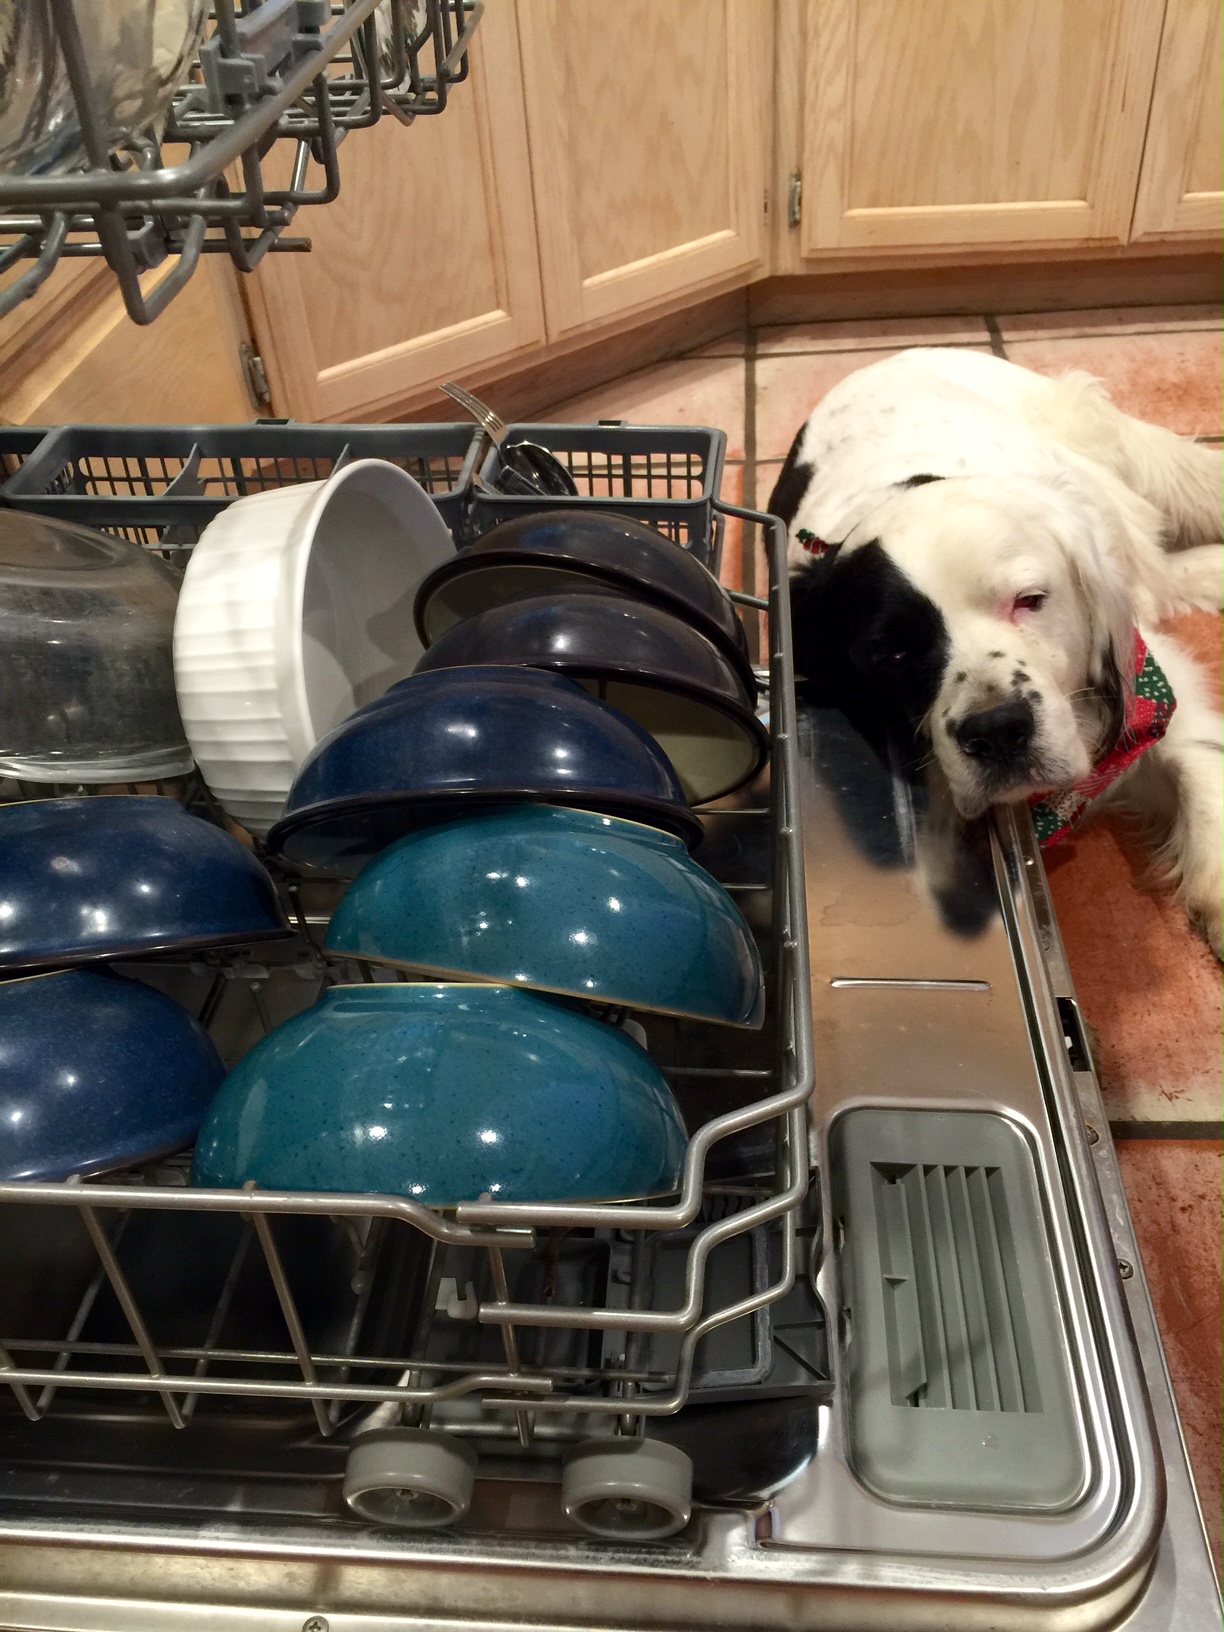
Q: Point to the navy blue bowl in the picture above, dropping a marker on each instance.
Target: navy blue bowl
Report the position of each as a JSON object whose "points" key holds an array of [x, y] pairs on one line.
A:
{"points": [[652, 666], [84, 879], [98, 1073], [563, 551], [448, 744]]}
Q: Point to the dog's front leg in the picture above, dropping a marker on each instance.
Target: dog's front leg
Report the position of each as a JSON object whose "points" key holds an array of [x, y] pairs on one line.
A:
{"points": [[1178, 787]]}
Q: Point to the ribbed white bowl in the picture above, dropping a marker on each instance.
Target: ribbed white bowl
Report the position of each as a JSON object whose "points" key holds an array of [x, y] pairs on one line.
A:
{"points": [[296, 608]]}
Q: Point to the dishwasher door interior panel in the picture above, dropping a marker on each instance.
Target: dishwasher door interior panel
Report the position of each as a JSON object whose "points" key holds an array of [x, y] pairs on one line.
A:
{"points": [[959, 1418]]}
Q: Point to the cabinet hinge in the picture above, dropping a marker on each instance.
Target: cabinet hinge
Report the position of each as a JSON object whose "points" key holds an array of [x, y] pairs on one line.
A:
{"points": [[794, 200], [255, 375], [765, 202]]}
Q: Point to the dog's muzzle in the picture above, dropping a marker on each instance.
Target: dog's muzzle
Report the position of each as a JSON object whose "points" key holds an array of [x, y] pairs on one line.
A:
{"points": [[999, 738]]}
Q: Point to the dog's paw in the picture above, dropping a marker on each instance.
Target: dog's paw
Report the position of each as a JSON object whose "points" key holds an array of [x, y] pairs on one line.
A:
{"points": [[1208, 918], [1196, 578]]}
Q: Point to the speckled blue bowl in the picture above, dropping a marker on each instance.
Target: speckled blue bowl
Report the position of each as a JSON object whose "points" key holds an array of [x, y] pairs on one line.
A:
{"points": [[574, 550], [97, 1073], [561, 901], [646, 662], [83, 879], [444, 1094], [442, 745]]}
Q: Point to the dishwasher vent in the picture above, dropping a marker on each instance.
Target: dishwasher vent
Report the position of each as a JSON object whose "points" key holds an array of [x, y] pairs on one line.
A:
{"points": [[953, 1311], [956, 1366]]}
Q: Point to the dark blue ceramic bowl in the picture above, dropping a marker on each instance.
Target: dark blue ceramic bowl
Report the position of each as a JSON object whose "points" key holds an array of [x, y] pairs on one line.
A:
{"points": [[563, 901], [452, 743], [97, 1073], [445, 1094], [561, 551], [665, 675], [83, 879]]}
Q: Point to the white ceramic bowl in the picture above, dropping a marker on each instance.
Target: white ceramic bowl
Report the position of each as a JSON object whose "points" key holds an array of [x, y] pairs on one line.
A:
{"points": [[296, 609]]}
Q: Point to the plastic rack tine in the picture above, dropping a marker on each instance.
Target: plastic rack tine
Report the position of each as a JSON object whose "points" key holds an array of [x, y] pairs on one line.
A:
{"points": [[297, 1336], [260, 1007], [52, 247], [127, 1303], [640, 1266], [222, 1309], [19, 1389], [524, 1420], [98, 1279]]}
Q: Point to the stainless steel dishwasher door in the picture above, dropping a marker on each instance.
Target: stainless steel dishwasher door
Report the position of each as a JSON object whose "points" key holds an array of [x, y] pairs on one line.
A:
{"points": [[937, 976]]}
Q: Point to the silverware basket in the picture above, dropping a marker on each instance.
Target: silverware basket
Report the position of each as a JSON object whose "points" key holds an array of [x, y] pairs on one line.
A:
{"points": [[160, 485], [259, 1344], [667, 476]]}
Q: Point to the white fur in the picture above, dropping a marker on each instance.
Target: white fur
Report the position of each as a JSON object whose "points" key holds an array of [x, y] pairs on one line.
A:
{"points": [[1049, 488]]}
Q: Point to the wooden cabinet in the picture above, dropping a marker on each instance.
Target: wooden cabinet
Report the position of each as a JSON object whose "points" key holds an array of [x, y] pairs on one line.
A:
{"points": [[940, 124], [607, 161], [605, 158], [424, 267], [1181, 186], [648, 128], [72, 354]]}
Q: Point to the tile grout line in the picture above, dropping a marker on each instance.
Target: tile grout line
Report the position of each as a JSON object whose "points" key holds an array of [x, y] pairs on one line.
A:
{"points": [[1209, 1131], [895, 343]]}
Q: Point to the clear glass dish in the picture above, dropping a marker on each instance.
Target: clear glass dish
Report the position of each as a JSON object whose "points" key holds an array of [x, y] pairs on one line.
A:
{"points": [[139, 52], [86, 630]]}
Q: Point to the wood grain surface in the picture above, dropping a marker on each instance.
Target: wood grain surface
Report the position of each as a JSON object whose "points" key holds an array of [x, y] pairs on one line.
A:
{"points": [[973, 122]]}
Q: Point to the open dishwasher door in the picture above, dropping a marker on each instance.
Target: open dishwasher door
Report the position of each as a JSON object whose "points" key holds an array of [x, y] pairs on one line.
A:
{"points": [[1000, 1390], [994, 1444]]}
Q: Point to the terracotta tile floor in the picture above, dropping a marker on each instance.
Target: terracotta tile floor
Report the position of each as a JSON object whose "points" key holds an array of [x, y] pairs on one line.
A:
{"points": [[1148, 986]]}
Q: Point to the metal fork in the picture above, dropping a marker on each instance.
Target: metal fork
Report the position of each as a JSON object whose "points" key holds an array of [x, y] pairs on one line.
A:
{"points": [[484, 416], [527, 470]]}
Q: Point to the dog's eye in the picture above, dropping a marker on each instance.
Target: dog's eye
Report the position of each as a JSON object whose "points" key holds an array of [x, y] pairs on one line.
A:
{"points": [[894, 660], [1029, 603]]}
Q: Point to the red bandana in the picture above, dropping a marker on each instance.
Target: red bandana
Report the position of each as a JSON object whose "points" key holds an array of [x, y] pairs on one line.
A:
{"points": [[1147, 720]]}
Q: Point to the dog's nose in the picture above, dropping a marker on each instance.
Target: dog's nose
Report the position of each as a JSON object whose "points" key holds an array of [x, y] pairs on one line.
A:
{"points": [[999, 735]]}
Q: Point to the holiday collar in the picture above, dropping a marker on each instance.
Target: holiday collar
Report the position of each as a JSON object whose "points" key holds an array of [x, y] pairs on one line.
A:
{"points": [[1147, 720], [812, 544]]}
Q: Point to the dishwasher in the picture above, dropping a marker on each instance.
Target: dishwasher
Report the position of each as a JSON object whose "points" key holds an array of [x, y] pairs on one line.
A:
{"points": [[894, 1325]]}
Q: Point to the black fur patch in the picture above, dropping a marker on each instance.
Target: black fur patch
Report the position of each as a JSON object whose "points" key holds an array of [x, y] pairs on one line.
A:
{"points": [[791, 485], [919, 481], [1108, 680], [866, 637]]}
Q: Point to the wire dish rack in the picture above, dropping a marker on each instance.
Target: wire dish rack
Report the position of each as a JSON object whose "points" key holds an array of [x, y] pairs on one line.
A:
{"points": [[379, 1340], [288, 78]]}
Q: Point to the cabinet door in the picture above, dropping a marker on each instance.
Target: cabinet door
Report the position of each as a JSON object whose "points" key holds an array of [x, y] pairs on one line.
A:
{"points": [[648, 153], [424, 266], [941, 123], [1181, 188], [74, 355]]}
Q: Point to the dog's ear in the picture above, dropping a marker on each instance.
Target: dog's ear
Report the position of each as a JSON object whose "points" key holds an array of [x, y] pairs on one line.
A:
{"points": [[792, 482], [1111, 631], [820, 656], [1121, 535]]}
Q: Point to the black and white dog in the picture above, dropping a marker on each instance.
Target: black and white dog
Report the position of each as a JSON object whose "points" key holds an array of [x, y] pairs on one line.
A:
{"points": [[978, 553]]}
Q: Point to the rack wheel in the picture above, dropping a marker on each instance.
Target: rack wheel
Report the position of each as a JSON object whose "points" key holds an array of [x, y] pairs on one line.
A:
{"points": [[416, 1478], [627, 1489]]}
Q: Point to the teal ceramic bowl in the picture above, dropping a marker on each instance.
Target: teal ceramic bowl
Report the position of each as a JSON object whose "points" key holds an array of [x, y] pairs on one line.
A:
{"points": [[563, 901], [444, 1094]]}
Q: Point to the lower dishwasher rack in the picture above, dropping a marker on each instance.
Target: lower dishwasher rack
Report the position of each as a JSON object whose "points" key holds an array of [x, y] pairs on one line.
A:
{"points": [[520, 1331]]}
